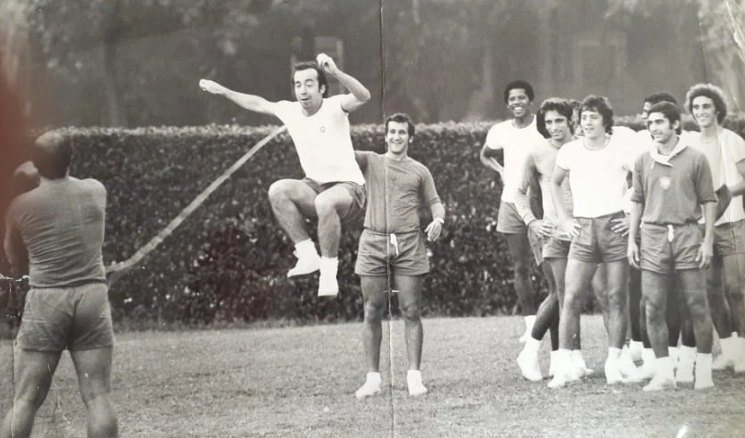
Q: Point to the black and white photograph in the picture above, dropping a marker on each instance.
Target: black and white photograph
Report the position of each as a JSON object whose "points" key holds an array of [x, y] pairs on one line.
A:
{"points": [[372, 218]]}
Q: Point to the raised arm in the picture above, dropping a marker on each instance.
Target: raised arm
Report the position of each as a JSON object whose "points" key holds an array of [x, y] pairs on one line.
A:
{"points": [[358, 93], [248, 101]]}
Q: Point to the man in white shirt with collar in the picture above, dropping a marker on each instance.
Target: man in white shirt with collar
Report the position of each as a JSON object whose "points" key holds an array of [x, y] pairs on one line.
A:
{"points": [[333, 187]]}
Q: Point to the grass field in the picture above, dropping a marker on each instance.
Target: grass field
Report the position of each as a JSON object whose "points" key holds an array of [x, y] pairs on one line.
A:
{"points": [[298, 382]]}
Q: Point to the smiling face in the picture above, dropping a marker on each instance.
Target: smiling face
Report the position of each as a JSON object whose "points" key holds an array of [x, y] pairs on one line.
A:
{"points": [[558, 127], [592, 124], [397, 137], [307, 89], [518, 103], [660, 128], [704, 111]]}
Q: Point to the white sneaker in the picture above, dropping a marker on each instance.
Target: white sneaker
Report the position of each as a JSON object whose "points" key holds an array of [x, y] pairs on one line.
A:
{"points": [[560, 380], [642, 374], [414, 383], [660, 382], [371, 386], [613, 371], [529, 366], [579, 367], [722, 362], [305, 265]]}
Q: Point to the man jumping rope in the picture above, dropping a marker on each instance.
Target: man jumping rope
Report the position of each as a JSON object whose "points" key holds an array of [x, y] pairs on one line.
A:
{"points": [[333, 187]]}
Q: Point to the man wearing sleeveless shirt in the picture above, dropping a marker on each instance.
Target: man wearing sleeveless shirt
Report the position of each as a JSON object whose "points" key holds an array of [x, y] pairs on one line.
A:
{"points": [[57, 231], [333, 187], [392, 247]]}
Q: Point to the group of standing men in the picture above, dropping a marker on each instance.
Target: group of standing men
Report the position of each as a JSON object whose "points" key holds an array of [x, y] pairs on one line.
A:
{"points": [[652, 222], [586, 231]]}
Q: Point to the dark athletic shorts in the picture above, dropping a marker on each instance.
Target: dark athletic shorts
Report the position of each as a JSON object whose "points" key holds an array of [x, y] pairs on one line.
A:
{"points": [[509, 221], [597, 243], [556, 248], [729, 238], [665, 249], [381, 254], [72, 318], [356, 191]]}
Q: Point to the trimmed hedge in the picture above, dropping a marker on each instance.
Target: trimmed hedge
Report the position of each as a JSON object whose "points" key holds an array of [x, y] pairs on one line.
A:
{"points": [[228, 261]]}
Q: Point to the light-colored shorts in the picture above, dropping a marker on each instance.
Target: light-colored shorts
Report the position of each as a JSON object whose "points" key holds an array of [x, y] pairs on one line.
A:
{"points": [[381, 254], [668, 248], [73, 318], [597, 243], [355, 190], [729, 238], [509, 221]]}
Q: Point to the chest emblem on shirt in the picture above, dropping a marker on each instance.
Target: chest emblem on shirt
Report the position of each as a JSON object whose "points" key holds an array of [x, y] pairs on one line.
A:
{"points": [[323, 129], [665, 182]]}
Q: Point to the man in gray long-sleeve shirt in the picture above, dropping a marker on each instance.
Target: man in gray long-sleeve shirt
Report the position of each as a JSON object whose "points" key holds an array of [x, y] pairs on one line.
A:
{"points": [[57, 230]]}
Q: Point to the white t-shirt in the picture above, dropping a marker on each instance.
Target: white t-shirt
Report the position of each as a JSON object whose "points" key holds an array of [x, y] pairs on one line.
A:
{"points": [[322, 141], [723, 156], [597, 177], [516, 143]]}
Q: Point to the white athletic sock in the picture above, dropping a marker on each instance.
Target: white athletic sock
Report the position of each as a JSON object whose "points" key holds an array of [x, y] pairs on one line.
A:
{"points": [[563, 359], [614, 353], [727, 345], [648, 356], [674, 355], [532, 345], [329, 265], [553, 362], [372, 378], [665, 367], [703, 371], [687, 353], [306, 248]]}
